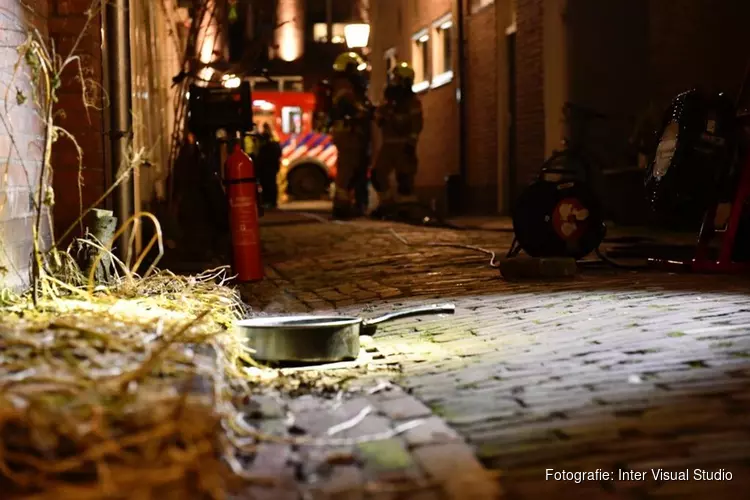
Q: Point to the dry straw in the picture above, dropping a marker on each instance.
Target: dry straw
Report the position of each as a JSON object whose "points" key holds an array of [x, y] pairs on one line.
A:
{"points": [[109, 390]]}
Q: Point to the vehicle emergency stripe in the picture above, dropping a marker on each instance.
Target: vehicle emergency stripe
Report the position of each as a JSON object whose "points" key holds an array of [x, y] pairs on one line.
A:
{"points": [[319, 146]]}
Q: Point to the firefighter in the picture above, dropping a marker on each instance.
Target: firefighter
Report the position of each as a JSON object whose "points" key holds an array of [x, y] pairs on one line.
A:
{"points": [[350, 129], [400, 120], [268, 165]]}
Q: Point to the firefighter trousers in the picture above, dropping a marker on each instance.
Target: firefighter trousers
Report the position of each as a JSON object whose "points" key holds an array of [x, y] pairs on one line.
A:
{"points": [[267, 174], [395, 156], [352, 150]]}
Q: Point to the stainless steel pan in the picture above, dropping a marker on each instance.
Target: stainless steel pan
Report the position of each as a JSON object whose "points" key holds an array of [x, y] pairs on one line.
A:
{"points": [[317, 339]]}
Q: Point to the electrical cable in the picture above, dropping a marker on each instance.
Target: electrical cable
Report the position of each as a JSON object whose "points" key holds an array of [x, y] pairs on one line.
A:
{"points": [[618, 265], [493, 264], [513, 251]]}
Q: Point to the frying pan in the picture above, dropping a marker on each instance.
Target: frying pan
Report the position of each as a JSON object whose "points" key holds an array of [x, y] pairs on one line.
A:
{"points": [[317, 338]]}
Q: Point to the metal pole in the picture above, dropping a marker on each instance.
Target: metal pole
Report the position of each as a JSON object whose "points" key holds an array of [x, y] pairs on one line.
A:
{"points": [[329, 21], [117, 39], [462, 156], [503, 19]]}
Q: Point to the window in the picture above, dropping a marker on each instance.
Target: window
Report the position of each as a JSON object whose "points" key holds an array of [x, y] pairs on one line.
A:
{"points": [[294, 86], [262, 117], [265, 86], [290, 84], [320, 33], [291, 119], [442, 51], [420, 60], [477, 5], [390, 62]]}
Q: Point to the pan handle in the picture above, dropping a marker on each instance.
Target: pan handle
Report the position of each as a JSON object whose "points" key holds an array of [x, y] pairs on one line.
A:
{"points": [[414, 311]]}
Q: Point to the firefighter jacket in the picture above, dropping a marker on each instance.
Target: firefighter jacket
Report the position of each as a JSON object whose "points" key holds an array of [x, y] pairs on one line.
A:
{"points": [[350, 112], [401, 120], [250, 145]]}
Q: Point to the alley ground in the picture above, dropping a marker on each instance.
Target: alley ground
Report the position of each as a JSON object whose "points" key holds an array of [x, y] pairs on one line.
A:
{"points": [[614, 370]]}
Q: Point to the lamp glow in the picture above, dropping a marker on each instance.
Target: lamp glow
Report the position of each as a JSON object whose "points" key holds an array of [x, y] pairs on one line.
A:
{"points": [[289, 36], [231, 81], [263, 105], [357, 35]]}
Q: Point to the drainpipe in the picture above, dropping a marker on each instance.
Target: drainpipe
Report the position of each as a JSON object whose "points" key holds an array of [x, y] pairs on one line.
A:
{"points": [[329, 21], [461, 97], [116, 66]]}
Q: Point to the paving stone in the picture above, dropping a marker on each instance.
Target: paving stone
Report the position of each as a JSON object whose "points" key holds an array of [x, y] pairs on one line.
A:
{"points": [[404, 408], [620, 364], [264, 407], [346, 482], [388, 459], [434, 430], [455, 465]]}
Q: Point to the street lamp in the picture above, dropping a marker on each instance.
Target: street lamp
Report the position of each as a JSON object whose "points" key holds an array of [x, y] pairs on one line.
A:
{"points": [[357, 35]]}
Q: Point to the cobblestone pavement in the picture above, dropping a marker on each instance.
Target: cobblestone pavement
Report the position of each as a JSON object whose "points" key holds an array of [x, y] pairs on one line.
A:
{"points": [[614, 370], [380, 444]]}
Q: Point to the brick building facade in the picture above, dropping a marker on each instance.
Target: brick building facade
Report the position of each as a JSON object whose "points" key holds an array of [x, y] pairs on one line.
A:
{"points": [[67, 20], [62, 22], [525, 58], [21, 145]]}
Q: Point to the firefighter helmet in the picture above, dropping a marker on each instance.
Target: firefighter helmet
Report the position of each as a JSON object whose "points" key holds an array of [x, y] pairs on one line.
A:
{"points": [[349, 61], [403, 71]]}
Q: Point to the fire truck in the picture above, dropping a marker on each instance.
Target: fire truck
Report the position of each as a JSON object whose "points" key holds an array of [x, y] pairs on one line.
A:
{"points": [[308, 164]]}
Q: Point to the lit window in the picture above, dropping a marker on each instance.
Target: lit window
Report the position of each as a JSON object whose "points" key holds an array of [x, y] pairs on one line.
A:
{"points": [[291, 119], [477, 5], [442, 51], [320, 33], [420, 60]]}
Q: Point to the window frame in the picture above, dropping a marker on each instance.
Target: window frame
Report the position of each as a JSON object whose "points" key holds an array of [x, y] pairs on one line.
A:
{"points": [[337, 33], [441, 73], [420, 44], [287, 120]]}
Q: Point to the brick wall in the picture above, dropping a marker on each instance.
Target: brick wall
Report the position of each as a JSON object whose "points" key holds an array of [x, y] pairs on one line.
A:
{"points": [[19, 164], [529, 91], [393, 24], [624, 54], [481, 110], [67, 19], [700, 42]]}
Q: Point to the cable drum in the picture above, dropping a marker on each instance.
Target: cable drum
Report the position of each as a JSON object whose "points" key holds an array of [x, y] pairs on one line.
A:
{"points": [[558, 219]]}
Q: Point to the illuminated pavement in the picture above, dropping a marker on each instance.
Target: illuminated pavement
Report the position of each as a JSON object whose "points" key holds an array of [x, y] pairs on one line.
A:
{"points": [[613, 370]]}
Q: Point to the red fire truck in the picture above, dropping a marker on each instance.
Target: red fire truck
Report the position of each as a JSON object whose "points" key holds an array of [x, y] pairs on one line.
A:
{"points": [[308, 163]]}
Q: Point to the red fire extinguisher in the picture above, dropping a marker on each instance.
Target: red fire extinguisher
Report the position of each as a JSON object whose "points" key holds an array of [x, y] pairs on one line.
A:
{"points": [[242, 192]]}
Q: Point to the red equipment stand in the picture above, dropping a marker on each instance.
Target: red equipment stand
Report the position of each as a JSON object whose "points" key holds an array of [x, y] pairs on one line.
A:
{"points": [[702, 262]]}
